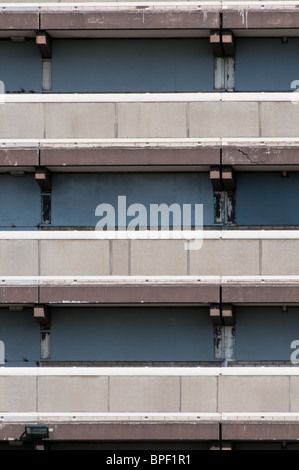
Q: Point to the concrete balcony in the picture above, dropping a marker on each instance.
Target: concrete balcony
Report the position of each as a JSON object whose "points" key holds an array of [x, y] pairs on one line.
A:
{"points": [[218, 253], [150, 115], [151, 402]]}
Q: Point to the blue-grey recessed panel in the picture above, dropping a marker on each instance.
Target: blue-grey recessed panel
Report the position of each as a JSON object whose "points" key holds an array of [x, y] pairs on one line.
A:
{"points": [[266, 333], [21, 66], [131, 334], [20, 333], [76, 197], [132, 65], [266, 64], [267, 198], [20, 202]]}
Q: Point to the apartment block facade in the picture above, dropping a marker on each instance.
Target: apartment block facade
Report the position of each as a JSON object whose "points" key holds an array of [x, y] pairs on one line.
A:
{"points": [[149, 244]]}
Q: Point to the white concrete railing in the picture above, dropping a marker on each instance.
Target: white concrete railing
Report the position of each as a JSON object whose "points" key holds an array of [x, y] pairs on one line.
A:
{"points": [[147, 393], [144, 234], [93, 253], [215, 4], [253, 96], [149, 115]]}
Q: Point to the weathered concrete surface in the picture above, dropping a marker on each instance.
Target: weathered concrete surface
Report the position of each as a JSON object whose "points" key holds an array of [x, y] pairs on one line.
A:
{"points": [[142, 257], [154, 119], [166, 391]]}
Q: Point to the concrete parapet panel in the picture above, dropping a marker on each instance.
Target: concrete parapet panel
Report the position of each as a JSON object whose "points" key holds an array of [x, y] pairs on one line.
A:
{"points": [[253, 394], [18, 257], [199, 394], [280, 257], [152, 119], [224, 119], [73, 394], [17, 394], [21, 121], [225, 258], [144, 394], [280, 119], [79, 120], [74, 257], [158, 257], [294, 394], [120, 257]]}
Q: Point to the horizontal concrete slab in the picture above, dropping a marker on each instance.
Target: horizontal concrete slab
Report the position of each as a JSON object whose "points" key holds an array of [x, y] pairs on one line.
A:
{"points": [[129, 294], [140, 253], [130, 19], [164, 391], [187, 154], [152, 116]]}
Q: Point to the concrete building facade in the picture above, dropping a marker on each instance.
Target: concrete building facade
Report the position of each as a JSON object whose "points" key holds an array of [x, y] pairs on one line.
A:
{"points": [[149, 244]]}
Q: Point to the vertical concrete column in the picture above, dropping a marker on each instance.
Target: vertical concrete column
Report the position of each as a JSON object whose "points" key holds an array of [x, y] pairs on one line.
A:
{"points": [[222, 317], [42, 315], [47, 74], [223, 182], [43, 178], [223, 47]]}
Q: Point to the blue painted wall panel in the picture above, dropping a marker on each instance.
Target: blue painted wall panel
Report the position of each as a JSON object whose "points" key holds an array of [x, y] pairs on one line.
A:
{"points": [[131, 334], [132, 65], [265, 333], [20, 205], [75, 197], [21, 66], [267, 198], [20, 333], [266, 64]]}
